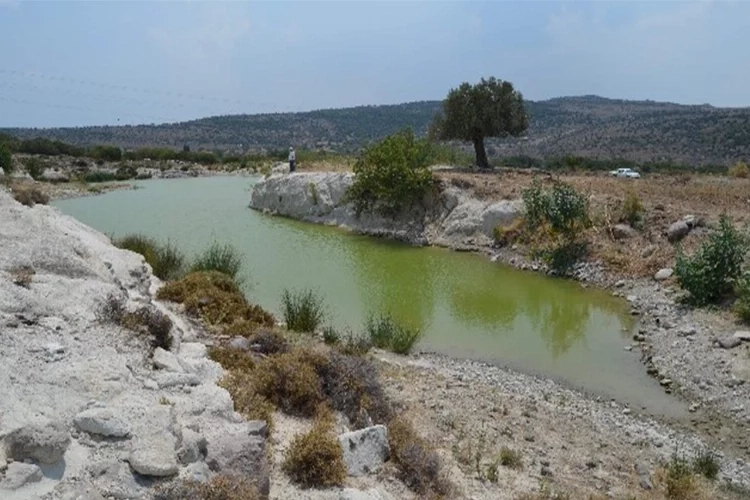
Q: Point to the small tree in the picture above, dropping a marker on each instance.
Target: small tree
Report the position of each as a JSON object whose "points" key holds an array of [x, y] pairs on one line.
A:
{"points": [[491, 108], [392, 175], [6, 160]]}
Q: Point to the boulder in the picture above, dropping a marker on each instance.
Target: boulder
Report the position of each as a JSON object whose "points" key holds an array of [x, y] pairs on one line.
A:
{"points": [[677, 231], [44, 443], [623, 231], [743, 335], [154, 457], [101, 421], [239, 450], [365, 450], [194, 447], [165, 360], [20, 474], [728, 342], [664, 274]]}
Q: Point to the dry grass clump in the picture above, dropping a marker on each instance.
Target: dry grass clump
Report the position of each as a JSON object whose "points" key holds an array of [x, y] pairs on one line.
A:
{"points": [[247, 401], [145, 320], [267, 341], [739, 170], [215, 298], [506, 235], [290, 381], [510, 458], [221, 487], [29, 196], [22, 275], [420, 467], [315, 459], [232, 359]]}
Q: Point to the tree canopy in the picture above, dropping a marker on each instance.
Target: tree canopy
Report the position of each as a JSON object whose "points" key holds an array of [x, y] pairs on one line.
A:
{"points": [[491, 108]]}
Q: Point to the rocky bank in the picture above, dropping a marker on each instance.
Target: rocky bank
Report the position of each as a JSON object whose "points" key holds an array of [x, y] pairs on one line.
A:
{"points": [[87, 409], [449, 218]]}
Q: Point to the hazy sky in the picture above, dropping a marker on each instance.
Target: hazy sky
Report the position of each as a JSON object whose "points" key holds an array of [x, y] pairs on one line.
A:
{"points": [[82, 63]]}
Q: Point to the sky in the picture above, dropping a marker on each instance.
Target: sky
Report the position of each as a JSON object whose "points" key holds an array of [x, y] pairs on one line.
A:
{"points": [[68, 63]]}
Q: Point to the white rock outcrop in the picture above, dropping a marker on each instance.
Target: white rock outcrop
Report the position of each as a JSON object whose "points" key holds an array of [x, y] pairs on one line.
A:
{"points": [[450, 218], [85, 401]]}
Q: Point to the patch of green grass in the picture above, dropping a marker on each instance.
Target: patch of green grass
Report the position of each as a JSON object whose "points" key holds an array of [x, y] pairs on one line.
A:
{"points": [[510, 458], [387, 333], [222, 258], [706, 464], [166, 261], [303, 310]]}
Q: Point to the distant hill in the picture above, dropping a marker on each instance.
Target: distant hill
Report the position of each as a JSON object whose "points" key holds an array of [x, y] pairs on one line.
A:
{"points": [[588, 126]]}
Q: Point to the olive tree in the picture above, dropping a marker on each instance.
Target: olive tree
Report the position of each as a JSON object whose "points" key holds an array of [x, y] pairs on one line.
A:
{"points": [[491, 108]]}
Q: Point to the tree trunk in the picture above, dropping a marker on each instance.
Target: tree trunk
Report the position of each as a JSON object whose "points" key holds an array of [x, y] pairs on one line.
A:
{"points": [[481, 153]]}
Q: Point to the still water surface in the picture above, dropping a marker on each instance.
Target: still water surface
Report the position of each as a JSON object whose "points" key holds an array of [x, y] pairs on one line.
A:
{"points": [[467, 306]]}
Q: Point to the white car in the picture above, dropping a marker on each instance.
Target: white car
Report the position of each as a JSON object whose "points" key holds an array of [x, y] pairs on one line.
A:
{"points": [[626, 172]]}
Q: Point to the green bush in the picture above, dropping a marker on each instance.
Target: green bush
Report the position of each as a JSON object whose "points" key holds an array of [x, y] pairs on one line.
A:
{"points": [[562, 212], [331, 336], [34, 167], [706, 464], [166, 260], [6, 160], [303, 310], [222, 258], [386, 333], [99, 177], [632, 210], [392, 175], [742, 304], [709, 274], [106, 153]]}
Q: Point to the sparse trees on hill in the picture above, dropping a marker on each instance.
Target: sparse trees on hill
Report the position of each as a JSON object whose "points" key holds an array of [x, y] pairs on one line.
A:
{"points": [[6, 161], [491, 108]]}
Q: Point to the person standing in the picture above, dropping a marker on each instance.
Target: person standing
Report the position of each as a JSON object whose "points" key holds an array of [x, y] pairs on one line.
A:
{"points": [[292, 159]]}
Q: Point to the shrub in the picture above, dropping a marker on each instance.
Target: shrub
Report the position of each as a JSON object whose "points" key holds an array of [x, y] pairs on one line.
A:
{"points": [[241, 385], [232, 359], [222, 258], [315, 459], [739, 170], [508, 234], [6, 160], [561, 212], [107, 153], [352, 386], [742, 305], [386, 333], [680, 481], [290, 381], [266, 341], [29, 196], [147, 320], [215, 298], [22, 275], [166, 260], [34, 167], [303, 310], [709, 274], [510, 458], [632, 210], [331, 336], [706, 464], [420, 467], [221, 487], [391, 176], [99, 177]]}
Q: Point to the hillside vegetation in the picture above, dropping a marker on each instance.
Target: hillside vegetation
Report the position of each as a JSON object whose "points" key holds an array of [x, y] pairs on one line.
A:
{"points": [[589, 126]]}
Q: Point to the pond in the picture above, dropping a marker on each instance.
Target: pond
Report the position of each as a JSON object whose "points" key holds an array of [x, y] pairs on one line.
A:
{"points": [[467, 306]]}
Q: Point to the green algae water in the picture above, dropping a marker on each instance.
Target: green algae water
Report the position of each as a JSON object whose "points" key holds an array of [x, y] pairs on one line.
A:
{"points": [[467, 306]]}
